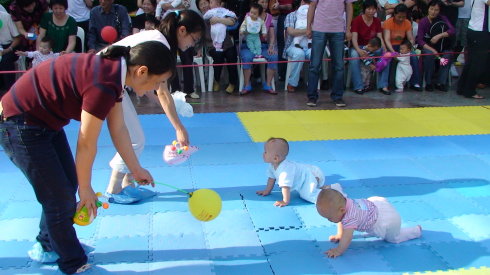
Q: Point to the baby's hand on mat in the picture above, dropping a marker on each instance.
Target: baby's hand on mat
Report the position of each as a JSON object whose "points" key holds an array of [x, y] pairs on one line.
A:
{"points": [[334, 252], [281, 203], [263, 193]]}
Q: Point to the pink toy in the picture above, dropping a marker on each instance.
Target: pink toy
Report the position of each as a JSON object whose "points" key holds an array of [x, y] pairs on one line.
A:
{"points": [[385, 60], [176, 154], [443, 61]]}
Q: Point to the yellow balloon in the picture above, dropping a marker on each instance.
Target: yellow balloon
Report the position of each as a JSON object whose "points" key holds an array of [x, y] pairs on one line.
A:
{"points": [[205, 204]]}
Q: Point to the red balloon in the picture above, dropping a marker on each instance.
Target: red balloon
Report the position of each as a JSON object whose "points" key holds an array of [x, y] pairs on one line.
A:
{"points": [[109, 34]]}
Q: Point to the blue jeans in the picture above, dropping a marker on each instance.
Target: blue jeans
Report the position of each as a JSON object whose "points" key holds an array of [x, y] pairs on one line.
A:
{"points": [[429, 68], [355, 69], [336, 46], [45, 158], [296, 54], [248, 56]]}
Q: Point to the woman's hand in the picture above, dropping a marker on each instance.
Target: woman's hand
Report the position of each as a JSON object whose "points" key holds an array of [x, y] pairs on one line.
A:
{"points": [[362, 53], [182, 136], [214, 20], [87, 199], [435, 39], [143, 177]]}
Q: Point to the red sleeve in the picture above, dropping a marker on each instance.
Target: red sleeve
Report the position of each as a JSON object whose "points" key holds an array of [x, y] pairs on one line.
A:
{"points": [[355, 26]]}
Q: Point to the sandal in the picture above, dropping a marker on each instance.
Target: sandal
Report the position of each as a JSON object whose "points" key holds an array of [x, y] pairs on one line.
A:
{"points": [[246, 90], [269, 90]]}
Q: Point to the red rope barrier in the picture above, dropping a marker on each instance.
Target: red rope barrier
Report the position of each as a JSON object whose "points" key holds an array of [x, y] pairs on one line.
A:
{"points": [[274, 62]]}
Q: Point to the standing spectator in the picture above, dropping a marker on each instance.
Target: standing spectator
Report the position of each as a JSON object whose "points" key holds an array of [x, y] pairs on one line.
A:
{"points": [[284, 7], [291, 51], [450, 9], [434, 36], [80, 11], [364, 28], [478, 47], [397, 29], [148, 7], [462, 26], [229, 53], [58, 26], [269, 53], [107, 14], [26, 15], [327, 23], [9, 41]]}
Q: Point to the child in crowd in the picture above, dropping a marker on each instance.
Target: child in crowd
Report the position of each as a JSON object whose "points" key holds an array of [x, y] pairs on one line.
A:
{"points": [[403, 69], [390, 7], [307, 179], [374, 215], [368, 65], [44, 53], [302, 41], [253, 26], [151, 22], [218, 30], [160, 11]]}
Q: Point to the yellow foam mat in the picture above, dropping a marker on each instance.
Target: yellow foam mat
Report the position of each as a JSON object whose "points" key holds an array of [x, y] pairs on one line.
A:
{"points": [[462, 271], [367, 123]]}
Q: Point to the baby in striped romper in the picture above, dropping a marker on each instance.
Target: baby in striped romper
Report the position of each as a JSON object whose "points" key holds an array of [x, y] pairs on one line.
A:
{"points": [[374, 215]]}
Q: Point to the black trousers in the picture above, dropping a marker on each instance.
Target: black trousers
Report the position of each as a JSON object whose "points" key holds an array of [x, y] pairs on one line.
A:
{"points": [[476, 64], [186, 58], [227, 56]]}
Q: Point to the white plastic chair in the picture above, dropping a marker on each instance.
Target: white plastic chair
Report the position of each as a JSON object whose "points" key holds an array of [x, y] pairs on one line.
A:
{"points": [[210, 60], [81, 36]]}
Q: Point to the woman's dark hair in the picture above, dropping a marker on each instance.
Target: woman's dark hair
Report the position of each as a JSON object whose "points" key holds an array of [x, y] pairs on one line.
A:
{"points": [[190, 19], [401, 8], [63, 3], [153, 3], [435, 3], [369, 3], [152, 54], [258, 7], [24, 3]]}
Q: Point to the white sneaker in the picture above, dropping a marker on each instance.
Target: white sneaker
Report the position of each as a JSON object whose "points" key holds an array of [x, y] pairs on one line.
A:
{"points": [[83, 268], [194, 95]]}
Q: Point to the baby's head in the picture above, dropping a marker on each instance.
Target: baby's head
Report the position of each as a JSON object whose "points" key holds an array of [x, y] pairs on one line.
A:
{"points": [[330, 204], [374, 44], [275, 150], [255, 11], [46, 45], [405, 46], [151, 22], [214, 4]]}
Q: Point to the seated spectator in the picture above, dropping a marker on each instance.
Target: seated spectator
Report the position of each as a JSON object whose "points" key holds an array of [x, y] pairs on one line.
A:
{"points": [[434, 36], [228, 53], [107, 14], [364, 28], [268, 52], [58, 26], [397, 29], [27, 15], [9, 40], [148, 8], [292, 52]]}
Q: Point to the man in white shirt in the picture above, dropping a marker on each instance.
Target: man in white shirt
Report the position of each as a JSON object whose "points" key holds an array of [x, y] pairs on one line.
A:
{"points": [[9, 40]]}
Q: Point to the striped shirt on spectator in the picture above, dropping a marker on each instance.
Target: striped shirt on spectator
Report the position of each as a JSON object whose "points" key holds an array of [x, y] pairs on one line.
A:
{"points": [[360, 215]]}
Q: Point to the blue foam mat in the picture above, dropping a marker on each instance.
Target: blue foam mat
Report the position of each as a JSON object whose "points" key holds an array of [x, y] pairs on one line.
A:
{"points": [[441, 183]]}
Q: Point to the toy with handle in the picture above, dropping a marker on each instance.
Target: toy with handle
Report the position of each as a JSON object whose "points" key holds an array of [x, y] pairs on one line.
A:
{"points": [[385, 60], [82, 216]]}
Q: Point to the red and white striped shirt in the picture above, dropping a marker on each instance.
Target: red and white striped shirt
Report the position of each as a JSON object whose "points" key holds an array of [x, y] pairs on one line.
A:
{"points": [[361, 214]]}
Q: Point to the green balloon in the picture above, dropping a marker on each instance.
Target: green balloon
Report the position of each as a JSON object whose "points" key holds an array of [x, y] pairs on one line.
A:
{"points": [[1, 24]]}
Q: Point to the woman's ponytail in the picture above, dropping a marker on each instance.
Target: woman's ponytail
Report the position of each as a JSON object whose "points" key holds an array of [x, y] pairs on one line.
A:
{"points": [[114, 52]]}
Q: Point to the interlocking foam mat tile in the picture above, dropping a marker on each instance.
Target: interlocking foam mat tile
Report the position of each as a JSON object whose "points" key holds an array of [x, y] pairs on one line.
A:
{"points": [[431, 163]]}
